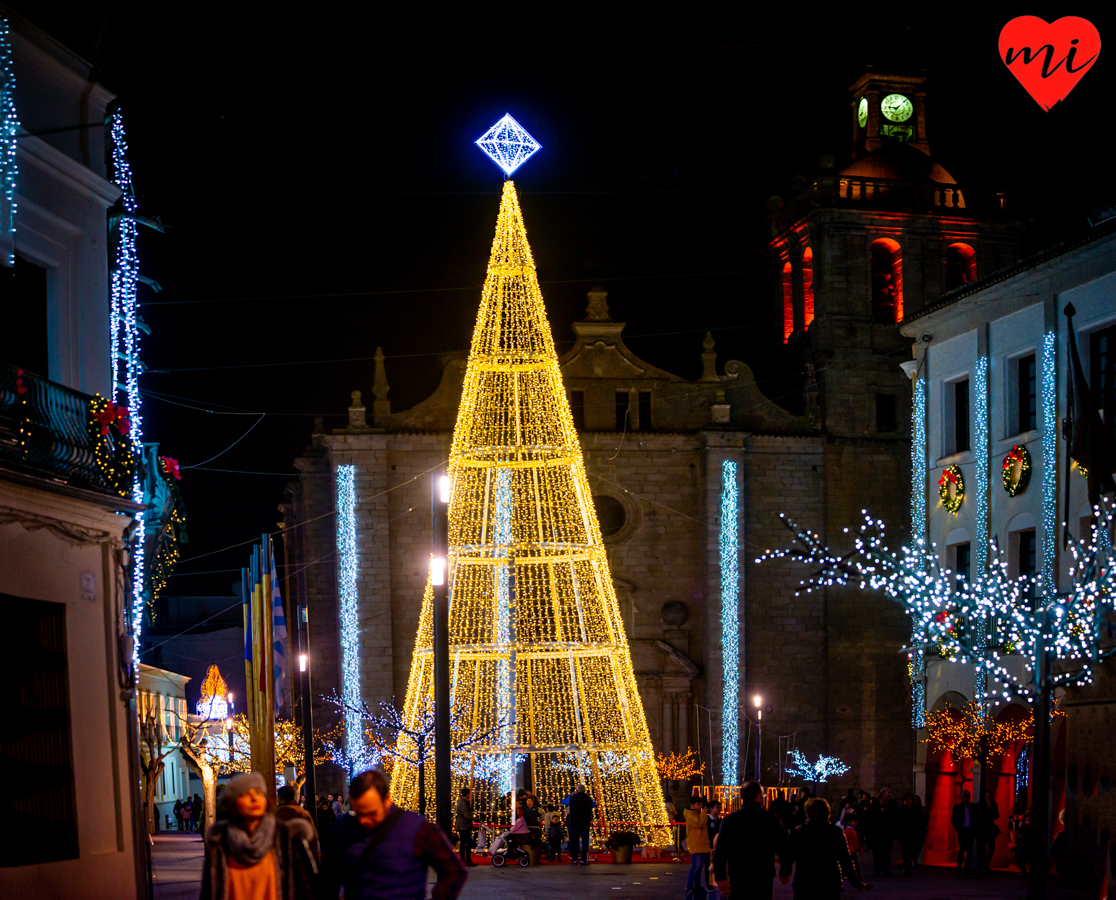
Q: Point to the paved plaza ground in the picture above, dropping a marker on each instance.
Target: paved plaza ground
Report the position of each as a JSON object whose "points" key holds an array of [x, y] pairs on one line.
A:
{"points": [[177, 863]]}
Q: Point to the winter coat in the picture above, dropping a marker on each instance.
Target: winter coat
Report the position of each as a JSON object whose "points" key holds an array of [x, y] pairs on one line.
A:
{"points": [[821, 858], [581, 811], [463, 815], [297, 868], [697, 831], [749, 840]]}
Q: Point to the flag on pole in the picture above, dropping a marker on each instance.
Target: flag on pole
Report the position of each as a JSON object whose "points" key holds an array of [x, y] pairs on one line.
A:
{"points": [[279, 636]]}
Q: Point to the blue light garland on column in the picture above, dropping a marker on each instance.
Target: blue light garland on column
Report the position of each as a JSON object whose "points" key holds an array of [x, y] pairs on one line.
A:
{"points": [[505, 690], [1049, 461], [980, 497], [9, 127], [124, 333], [350, 626], [918, 532], [730, 624]]}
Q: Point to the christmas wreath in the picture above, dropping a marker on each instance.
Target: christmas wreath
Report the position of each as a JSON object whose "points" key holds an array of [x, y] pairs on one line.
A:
{"points": [[951, 488], [108, 426], [171, 528], [1016, 470]]}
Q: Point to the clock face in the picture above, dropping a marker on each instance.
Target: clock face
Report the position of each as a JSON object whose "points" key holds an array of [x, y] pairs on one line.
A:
{"points": [[862, 112], [896, 108]]}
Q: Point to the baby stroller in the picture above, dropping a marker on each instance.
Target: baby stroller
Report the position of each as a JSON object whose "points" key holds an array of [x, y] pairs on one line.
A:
{"points": [[506, 849]]}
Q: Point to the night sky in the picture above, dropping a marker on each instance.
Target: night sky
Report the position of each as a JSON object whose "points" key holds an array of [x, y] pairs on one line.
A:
{"points": [[323, 195]]}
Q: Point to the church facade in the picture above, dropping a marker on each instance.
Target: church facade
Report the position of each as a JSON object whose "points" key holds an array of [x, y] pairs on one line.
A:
{"points": [[860, 248]]}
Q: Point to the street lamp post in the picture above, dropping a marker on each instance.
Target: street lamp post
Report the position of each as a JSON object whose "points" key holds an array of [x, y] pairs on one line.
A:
{"points": [[303, 630], [758, 701], [439, 520]]}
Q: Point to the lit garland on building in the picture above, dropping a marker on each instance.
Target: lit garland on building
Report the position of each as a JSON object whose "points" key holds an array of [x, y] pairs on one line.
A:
{"points": [[522, 527], [943, 608], [350, 623], [1049, 461], [124, 332], [819, 771], [9, 128], [916, 658], [730, 624]]}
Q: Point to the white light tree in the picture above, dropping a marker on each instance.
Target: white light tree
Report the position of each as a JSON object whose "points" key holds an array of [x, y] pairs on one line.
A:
{"points": [[985, 619], [819, 771]]}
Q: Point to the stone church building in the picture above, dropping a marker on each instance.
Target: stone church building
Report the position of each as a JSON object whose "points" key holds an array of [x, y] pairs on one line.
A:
{"points": [[859, 248]]}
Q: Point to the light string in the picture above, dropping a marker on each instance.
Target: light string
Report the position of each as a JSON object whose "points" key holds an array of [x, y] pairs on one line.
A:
{"points": [[982, 463], [1049, 462], [349, 613], [730, 624], [917, 657], [124, 329], [9, 128]]}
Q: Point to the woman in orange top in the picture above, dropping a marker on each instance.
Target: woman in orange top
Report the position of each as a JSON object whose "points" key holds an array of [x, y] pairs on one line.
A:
{"points": [[251, 855]]}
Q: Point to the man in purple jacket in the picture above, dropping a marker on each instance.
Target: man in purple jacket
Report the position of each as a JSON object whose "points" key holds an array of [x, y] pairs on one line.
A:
{"points": [[381, 851]]}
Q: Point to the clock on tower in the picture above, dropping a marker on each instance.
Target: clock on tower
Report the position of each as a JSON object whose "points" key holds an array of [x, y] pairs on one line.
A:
{"points": [[888, 108]]}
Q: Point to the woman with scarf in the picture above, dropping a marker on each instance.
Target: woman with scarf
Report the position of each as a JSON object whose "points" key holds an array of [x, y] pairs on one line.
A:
{"points": [[251, 855]]}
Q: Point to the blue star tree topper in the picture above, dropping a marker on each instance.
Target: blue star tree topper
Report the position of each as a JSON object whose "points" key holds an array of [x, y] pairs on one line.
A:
{"points": [[508, 144]]}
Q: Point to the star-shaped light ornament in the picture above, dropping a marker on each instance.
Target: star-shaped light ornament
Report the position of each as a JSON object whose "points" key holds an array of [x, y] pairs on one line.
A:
{"points": [[508, 144]]}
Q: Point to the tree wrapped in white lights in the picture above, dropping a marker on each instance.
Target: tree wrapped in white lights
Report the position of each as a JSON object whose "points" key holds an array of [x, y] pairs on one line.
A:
{"points": [[985, 619], [819, 771]]}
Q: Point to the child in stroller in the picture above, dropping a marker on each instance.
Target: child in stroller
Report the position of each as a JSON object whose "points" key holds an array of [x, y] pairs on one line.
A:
{"points": [[508, 846]]}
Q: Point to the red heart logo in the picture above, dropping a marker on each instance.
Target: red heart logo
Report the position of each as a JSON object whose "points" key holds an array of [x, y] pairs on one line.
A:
{"points": [[1049, 58]]}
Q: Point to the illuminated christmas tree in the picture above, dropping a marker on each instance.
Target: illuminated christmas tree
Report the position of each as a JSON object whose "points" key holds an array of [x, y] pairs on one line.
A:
{"points": [[538, 654]]}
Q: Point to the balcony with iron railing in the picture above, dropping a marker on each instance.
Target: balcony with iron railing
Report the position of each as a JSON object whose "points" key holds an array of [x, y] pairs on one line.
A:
{"points": [[61, 437]]}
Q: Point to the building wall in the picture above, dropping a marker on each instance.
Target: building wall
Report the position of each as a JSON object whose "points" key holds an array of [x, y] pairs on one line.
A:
{"points": [[49, 543]]}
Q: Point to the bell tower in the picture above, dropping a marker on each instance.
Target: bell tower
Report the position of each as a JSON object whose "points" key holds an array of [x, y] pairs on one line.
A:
{"points": [[888, 108]]}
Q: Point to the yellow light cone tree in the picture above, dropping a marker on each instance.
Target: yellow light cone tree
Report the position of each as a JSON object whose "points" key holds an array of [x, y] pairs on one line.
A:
{"points": [[538, 655]]}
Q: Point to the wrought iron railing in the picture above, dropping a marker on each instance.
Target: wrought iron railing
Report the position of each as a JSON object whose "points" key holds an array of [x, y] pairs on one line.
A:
{"points": [[49, 430]]}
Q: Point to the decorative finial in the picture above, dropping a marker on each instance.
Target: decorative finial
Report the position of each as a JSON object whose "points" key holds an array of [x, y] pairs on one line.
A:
{"points": [[356, 412], [597, 310], [381, 406], [508, 144], [708, 359]]}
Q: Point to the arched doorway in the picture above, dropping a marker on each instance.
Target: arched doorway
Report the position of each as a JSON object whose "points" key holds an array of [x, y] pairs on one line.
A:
{"points": [[946, 777]]}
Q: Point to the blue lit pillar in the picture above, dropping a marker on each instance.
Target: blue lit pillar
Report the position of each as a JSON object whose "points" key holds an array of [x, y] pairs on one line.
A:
{"points": [[918, 531], [350, 621], [980, 498], [1049, 395], [730, 623]]}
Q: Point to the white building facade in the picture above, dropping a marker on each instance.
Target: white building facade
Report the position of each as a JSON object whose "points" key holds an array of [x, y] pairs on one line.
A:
{"points": [[990, 469]]}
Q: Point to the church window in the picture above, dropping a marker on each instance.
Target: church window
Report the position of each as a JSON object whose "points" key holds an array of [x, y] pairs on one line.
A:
{"points": [[887, 282], [623, 410], [577, 409], [645, 411], [960, 265], [610, 514], [808, 285], [788, 303], [1028, 395]]}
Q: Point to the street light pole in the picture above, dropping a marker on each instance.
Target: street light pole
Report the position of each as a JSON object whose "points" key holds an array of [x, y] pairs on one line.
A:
{"points": [[439, 521], [759, 735], [303, 631]]}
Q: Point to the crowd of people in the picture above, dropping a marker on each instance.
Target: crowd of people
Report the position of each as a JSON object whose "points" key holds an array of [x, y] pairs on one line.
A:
{"points": [[264, 849]]}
